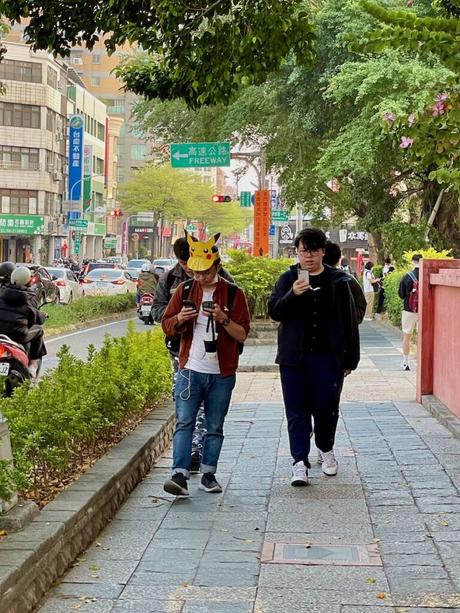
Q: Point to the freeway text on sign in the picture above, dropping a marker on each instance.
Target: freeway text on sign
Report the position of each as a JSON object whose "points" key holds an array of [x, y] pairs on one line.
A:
{"points": [[200, 155]]}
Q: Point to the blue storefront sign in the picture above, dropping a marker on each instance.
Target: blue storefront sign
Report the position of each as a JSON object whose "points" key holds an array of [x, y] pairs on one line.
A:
{"points": [[76, 125]]}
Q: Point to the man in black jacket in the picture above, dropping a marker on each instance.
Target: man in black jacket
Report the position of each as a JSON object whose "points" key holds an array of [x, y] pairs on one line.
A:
{"points": [[318, 344], [167, 285]]}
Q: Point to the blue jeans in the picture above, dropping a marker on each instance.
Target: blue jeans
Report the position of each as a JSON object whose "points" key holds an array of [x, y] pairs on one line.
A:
{"points": [[192, 389]]}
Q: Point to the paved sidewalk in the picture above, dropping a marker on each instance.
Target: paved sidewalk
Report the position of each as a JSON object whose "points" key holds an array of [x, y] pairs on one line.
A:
{"points": [[383, 536]]}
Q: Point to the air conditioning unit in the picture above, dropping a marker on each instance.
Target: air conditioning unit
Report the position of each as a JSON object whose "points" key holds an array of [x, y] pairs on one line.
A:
{"points": [[57, 176], [59, 135], [77, 60], [65, 169]]}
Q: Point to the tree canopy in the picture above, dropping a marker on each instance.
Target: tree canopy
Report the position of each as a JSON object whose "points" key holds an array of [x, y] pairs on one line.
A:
{"points": [[199, 51], [178, 194]]}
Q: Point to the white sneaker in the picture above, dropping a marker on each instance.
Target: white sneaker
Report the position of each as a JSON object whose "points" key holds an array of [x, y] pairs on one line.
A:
{"points": [[299, 474], [405, 365], [329, 464]]}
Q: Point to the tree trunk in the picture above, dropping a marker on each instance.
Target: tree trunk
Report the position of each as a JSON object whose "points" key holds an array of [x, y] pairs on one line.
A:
{"points": [[446, 226], [376, 250]]}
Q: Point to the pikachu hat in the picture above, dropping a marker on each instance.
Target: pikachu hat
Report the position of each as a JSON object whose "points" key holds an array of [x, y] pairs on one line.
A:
{"points": [[202, 255]]}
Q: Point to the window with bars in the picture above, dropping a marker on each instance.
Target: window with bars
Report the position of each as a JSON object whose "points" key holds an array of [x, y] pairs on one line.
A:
{"points": [[14, 70], [52, 77], [19, 115], [19, 201], [21, 158]]}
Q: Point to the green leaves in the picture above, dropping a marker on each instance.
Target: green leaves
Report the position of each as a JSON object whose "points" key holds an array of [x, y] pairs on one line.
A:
{"points": [[234, 43], [53, 424]]}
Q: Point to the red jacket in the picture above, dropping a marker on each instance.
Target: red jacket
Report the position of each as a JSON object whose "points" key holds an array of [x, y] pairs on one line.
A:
{"points": [[227, 346]]}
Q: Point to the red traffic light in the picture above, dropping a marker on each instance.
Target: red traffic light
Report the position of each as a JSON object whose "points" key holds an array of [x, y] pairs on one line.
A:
{"points": [[221, 198], [116, 213]]}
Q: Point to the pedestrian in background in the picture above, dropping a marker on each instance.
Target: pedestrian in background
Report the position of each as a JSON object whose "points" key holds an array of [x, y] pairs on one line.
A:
{"points": [[371, 285], [332, 255], [387, 268], [318, 344], [408, 292], [212, 323]]}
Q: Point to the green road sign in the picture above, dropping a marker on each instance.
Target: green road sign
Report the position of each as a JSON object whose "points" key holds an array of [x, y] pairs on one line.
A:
{"points": [[200, 155], [278, 215], [78, 223], [245, 199]]}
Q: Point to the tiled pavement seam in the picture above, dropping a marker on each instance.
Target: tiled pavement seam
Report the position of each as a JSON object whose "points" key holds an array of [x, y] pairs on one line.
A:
{"points": [[203, 554]]}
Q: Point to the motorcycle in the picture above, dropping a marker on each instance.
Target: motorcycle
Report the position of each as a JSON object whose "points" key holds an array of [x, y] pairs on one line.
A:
{"points": [[14, 362], [144, 308]]}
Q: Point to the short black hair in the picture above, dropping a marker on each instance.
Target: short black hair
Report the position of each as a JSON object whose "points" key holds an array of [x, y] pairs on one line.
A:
{"points": [[311, 238], [369, 265], [387, 260], [417, 257], [332, 254], [181, 249]]}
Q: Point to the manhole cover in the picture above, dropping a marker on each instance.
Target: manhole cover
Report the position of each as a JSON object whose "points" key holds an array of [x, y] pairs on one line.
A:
{"points": [[335, 555]]}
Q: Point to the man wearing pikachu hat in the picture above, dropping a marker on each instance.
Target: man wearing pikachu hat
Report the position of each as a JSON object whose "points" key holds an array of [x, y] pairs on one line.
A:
{"points": [[212, 317]]}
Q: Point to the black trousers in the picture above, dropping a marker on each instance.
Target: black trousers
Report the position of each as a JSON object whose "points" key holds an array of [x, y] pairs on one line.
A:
{"points": [[311, 389]]}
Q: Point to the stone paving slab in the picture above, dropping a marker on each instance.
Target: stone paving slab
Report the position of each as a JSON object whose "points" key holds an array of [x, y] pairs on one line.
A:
{"points": [[397, 490]]}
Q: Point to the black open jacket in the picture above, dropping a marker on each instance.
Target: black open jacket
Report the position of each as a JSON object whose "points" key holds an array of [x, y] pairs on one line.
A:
{"points": [[287, 308], [18, 312]]}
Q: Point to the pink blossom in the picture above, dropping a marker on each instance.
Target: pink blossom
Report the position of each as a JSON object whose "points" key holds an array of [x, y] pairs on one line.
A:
{"points": [[389, 118], [406, 142], [438, 109], [441, 97], [411, 120]]}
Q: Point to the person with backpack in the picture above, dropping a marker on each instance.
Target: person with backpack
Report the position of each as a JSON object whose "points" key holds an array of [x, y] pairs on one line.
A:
{"points": [[408, 292], [167, 285], [213, 321]]}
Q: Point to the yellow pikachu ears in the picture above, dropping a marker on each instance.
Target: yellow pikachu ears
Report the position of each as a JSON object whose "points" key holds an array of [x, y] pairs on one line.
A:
{"points": [[202, 255]]}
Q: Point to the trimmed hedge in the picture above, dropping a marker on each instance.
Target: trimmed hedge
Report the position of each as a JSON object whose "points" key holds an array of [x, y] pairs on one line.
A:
{"points": [[86, 309], [69, 412], [257, 277]]}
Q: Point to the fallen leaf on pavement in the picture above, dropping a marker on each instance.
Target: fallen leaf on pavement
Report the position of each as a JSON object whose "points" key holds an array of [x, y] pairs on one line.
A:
{"points": [[371, 580], [381, 595]]}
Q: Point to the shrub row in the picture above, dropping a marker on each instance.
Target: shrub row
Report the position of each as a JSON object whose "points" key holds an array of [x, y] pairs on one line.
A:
{"points": [[257, 277], [55, 424], [86, 309]]}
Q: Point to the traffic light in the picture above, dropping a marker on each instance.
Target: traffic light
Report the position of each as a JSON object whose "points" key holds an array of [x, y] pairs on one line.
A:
{"points": [[221, 198], [116, 213]]}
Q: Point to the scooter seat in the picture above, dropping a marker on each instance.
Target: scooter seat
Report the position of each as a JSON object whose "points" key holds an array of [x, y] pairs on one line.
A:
{"points": [[6, 339]]}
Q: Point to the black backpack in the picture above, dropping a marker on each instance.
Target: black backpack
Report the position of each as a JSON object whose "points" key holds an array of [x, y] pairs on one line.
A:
{"points": [[173, 342]]}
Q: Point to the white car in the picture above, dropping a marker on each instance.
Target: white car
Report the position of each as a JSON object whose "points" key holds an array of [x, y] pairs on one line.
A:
{"points": [[162, 265], [108, 282], [67, 284]]}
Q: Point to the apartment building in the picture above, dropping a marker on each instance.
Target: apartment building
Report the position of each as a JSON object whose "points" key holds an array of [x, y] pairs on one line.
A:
{"points": [[95, 69], [33, 112]]}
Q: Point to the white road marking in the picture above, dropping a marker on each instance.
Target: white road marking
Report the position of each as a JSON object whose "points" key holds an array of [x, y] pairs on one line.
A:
{"points": [[85, 330]]}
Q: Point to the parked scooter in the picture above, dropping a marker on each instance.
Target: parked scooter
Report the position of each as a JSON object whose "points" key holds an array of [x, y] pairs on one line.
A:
{"points": [[144, 308]]}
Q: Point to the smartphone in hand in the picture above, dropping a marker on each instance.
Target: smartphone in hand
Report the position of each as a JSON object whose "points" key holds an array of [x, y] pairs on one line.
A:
{"points": [[303, 275], [189, 304], [207, 305]]}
